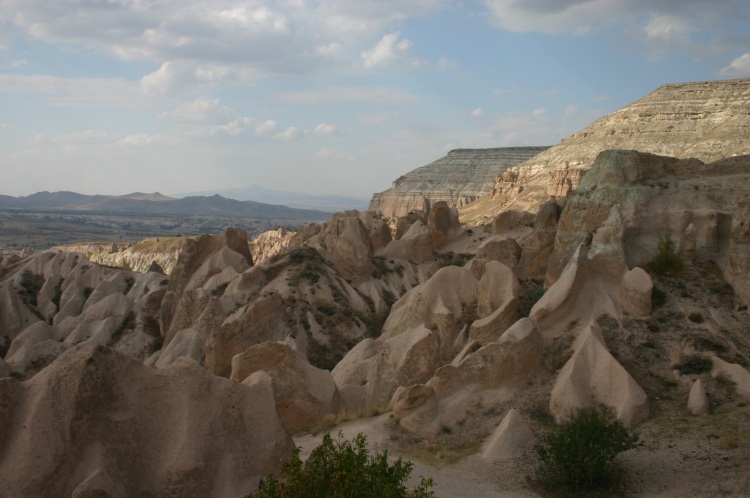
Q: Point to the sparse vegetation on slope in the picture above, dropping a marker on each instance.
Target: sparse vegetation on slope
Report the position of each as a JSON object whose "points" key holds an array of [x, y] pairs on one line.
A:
{"points": [[579, 456]]}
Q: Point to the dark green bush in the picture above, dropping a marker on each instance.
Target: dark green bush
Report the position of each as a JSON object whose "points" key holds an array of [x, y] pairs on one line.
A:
{"points": [[342, 469], [696, 364], [579, 456], [667, 260]]}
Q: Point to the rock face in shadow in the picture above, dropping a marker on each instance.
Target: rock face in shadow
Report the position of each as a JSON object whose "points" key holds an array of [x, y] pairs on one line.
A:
{"points": [[701, 204], [306, 397], [98, 423], [593, 376], [54, 300], [459, 178]]}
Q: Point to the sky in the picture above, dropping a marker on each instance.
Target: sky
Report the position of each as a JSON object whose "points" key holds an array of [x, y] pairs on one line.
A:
{"points": [[325, 96]]}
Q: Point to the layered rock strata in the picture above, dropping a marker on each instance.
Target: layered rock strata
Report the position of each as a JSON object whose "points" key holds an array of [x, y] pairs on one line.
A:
{"points": [[459, 178], [703, 120]]}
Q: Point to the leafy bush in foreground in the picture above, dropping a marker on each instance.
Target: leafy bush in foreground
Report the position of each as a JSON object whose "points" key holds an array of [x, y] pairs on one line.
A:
{"points": [[342, 469], [579, 455]]}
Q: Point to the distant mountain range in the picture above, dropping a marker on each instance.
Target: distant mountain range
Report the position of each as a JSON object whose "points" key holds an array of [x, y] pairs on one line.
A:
{"points": [[139, 203], [329, 203]]}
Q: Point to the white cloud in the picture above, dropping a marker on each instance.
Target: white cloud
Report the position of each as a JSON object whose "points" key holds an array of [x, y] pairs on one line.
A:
{"points": [[79, 92], [739, 67], [290, 133], [477, 113], [200, 110], [695, 27], [260, 36], [324, 129], [361, 94], [389, 49], [266, 127], [539, 112]]}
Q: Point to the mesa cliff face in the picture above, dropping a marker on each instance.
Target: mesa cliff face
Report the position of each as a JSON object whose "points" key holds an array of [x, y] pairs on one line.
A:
{"points": [[461, 177], [704, 120]]}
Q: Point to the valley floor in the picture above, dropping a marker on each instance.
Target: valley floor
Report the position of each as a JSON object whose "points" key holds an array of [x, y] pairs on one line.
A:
{"points": [[680, 456]]}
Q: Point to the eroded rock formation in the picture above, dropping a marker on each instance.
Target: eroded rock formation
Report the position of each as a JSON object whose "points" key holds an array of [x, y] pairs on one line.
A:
{"points": [[460, 178], [703, 120]]}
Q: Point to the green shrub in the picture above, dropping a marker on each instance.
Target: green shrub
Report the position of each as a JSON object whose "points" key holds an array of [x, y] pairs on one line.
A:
{"points": [[342, 469], [579, 456], [696, 364], [667, 260]]}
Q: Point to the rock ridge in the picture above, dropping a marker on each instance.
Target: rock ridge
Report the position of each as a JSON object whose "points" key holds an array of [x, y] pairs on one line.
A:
{"points": [[461, 177]]}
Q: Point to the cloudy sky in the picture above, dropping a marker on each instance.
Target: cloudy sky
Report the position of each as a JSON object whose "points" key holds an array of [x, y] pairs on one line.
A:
{"points": [[324, 96]]}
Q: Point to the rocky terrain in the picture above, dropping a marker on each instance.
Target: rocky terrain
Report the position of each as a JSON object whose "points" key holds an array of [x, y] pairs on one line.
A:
{"points": [[452, 345], [459, 178], [703, 120]]}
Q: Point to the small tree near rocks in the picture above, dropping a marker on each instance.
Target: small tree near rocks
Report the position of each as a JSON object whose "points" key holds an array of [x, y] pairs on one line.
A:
{"points": [[342, 469], [667, 260], [579, 455]]}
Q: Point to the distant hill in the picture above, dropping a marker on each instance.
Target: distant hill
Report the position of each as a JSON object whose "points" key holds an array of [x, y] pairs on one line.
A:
{"points": [[157, 204], [257, 193]]}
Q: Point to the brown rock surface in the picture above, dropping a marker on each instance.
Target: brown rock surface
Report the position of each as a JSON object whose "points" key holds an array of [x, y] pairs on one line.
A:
{"points": [[511, 439], [306, 397], [98, 423], [635, 293], [655, 193], [593, 376]]}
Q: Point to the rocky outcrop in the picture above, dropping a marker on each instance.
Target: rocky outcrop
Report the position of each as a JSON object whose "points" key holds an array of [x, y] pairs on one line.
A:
{"points": [[697, 399], [593, 376], [511, 439], [537, 246], [635, 293], [138, 256], [306, 397], [55, 300], [98, 423], [199, 261], [703, 120], [653, 194], [269, 244], [460, 178]]}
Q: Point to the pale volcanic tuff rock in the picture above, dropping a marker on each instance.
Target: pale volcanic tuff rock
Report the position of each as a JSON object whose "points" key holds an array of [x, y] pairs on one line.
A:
{"points": [[702, 204], [306, 397], [99, 423], [592, 376], [428, 328], [459, 178], [55, 300], [512, 438], [139, 256], [703, 120]]}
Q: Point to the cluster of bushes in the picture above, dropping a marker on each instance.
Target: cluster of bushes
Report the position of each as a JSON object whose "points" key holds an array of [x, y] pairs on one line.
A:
{"points": [[578, 458]]}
